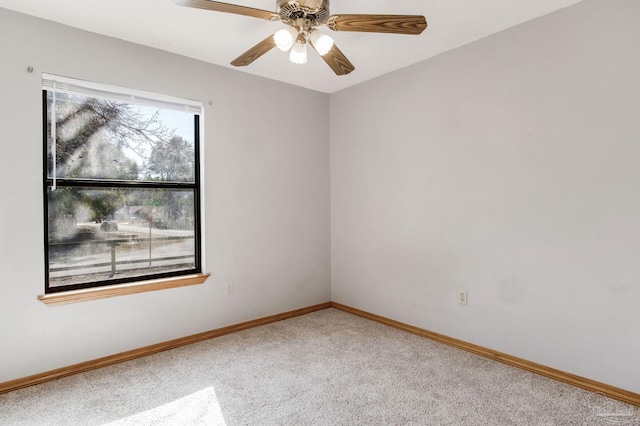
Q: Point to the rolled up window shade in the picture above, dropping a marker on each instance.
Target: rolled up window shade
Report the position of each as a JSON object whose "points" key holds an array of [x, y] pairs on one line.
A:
{"points": [[117, 94]]}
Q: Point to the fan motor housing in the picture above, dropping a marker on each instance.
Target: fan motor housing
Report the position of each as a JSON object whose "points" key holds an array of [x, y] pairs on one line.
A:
{"points": [[316, 11]]}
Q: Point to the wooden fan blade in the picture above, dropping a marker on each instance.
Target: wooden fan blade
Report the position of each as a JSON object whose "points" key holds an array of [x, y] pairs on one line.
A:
{"points": [[394, 24], [255, 52], [217, 6], [337, 61]]}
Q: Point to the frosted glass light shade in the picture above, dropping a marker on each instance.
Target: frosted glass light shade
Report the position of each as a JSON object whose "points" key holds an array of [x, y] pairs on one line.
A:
{"points": [[322, 42], [284, 38], [298, 53]]}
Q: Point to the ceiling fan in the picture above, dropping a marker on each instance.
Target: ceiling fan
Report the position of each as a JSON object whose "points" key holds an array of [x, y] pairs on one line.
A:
{"points": [[302, 18]]}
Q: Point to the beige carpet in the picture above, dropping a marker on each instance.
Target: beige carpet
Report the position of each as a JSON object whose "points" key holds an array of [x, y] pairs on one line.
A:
{"points": [[325, 368]]}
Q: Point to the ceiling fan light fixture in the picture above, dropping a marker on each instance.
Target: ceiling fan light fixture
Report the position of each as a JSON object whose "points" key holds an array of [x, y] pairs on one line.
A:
{"points": [[298, 53], [322, 42], [301, 19], [285, 38]]}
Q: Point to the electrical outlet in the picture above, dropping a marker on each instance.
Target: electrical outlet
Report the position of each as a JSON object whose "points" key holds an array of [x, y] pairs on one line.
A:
{"points": [[462, 297], [229, 287]]}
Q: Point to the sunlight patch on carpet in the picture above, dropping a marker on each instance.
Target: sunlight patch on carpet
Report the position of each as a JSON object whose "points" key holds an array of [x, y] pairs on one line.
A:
{"points": [[201, 407]]}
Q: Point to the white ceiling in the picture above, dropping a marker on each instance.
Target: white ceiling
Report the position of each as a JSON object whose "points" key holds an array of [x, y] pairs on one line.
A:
{"points": [[219, 38]]}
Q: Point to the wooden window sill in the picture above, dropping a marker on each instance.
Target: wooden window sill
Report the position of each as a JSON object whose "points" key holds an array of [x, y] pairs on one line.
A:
{"points": [[87, 294]]}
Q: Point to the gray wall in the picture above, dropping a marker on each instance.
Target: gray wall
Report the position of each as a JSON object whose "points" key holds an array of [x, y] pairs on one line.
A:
{"points": [[509, 168], [266, 200]]}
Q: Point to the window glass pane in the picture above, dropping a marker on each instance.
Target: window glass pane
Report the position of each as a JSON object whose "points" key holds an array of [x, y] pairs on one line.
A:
{"points": [[99, 139], [101, 234]]}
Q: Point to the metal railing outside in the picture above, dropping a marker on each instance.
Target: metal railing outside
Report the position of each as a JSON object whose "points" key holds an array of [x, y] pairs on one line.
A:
{"points": [[113, 244]]}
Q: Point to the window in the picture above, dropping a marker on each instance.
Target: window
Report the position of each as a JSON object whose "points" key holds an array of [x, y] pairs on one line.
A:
{"points": [[121, 185]]}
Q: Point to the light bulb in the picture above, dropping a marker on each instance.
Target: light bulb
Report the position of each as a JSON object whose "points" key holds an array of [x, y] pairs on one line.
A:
{"points": [[322, 42], [298, 53], [284, 38]]}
